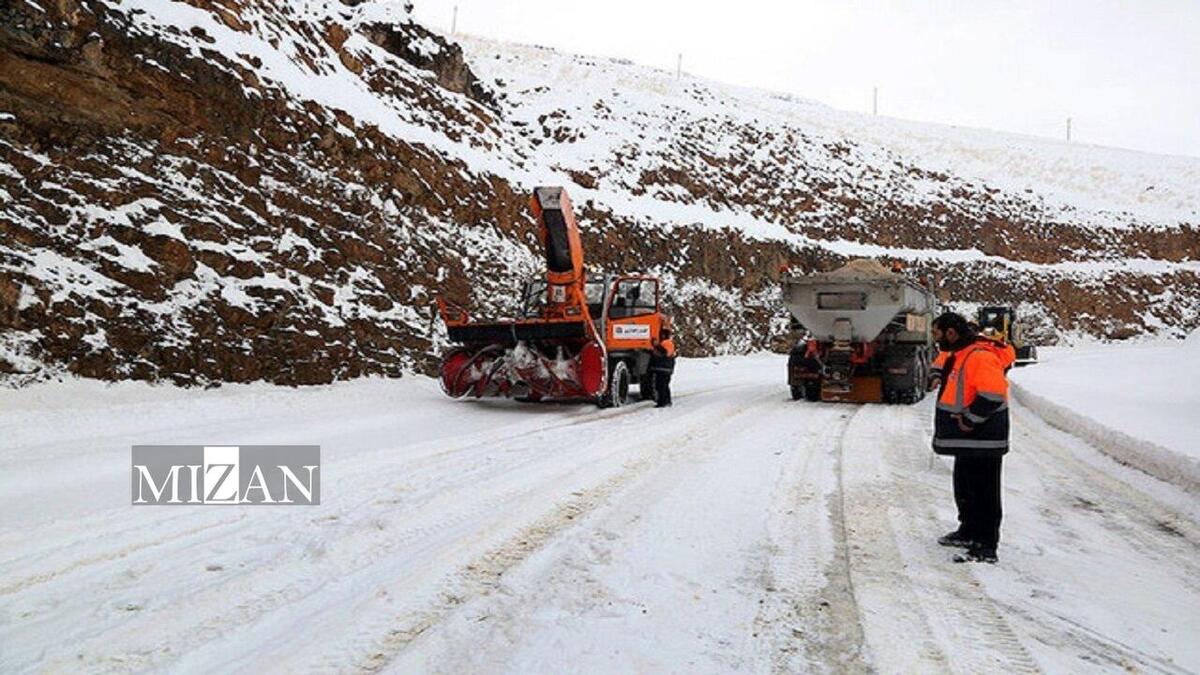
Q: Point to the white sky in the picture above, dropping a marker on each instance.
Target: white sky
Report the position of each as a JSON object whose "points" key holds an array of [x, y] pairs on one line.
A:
{"points": [[1127, 72]]}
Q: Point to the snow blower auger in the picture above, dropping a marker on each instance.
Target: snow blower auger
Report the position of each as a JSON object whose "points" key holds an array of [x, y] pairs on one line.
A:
{"points": [[573, 339]]}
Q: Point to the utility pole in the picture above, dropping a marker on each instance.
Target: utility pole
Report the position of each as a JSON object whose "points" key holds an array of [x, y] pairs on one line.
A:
{"points": [[454, 21], [678, 66], [1068, 129], [875, 100]]}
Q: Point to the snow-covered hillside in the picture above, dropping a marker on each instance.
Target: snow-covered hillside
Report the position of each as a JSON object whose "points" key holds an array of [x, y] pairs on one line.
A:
{"points": [[238, 190], [738, 531]]}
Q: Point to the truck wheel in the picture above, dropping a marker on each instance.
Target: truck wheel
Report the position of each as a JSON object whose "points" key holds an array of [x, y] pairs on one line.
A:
{"points": [[922, 376], [618, 387]]}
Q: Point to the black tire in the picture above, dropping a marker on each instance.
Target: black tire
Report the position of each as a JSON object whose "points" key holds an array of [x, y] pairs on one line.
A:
{"points": [[618, 387], [1026, 355], [922, 369]]}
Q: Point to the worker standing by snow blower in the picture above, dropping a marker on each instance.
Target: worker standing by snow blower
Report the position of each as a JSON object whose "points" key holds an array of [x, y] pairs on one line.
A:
{"points": [[971, 423], [662, 364]]}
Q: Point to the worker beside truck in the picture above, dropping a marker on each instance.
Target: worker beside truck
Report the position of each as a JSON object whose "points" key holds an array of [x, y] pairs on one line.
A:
{"points": [[971, 424], [869, 340], [871, 337], [662, 365]]}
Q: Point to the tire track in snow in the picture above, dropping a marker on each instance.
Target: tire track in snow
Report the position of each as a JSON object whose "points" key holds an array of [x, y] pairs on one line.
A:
{"points": [[1162, 528], [956, 598], [976, 618], [481, 577], [798, 626], [117, 553], [1111, 651], [442, 526], [629, 540], [1087, 485], [868, 563], [263, 588], [214, 528], [905, 583]]}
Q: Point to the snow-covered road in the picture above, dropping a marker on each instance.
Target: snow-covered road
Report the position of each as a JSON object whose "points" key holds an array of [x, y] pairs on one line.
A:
{"points": [[737, 531]]}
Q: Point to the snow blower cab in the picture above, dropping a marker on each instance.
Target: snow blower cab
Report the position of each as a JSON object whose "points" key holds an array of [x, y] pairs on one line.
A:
{"points": [[574, 338]]}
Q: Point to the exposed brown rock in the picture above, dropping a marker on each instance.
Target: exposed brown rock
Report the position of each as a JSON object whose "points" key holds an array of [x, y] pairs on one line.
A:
{"points": [[285, 249]]}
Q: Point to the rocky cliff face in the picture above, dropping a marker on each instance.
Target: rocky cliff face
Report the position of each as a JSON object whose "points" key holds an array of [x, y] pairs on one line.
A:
{"points": [[235, 190]]}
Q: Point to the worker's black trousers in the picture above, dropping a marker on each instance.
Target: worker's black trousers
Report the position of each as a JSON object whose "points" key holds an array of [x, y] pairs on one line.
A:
{"points": [[977, 494], [662, 387]]}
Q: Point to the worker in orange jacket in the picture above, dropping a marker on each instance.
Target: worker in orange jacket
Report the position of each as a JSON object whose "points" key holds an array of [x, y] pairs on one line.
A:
{"points": [[662, 365], [971, 423]]}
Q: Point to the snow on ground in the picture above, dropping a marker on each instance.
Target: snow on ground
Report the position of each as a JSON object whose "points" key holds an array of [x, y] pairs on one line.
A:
{"points": [[1138, 402], [738, 531]]}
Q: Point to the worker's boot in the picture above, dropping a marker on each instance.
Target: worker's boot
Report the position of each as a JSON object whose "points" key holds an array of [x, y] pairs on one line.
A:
{"points": [[977, 553], [956, 539]]}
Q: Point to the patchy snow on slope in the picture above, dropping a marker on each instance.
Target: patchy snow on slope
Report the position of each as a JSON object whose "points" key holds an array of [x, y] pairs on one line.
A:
{"points": [[279, 47], [609, 109]]}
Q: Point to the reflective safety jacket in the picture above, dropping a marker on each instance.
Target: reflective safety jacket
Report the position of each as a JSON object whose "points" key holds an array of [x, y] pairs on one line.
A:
{"points": [[974, 390], [663, 357], [668, 346]]}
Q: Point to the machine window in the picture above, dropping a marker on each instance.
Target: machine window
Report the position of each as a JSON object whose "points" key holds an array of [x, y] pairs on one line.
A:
{"points": [[852, 301], [533, 299], [634, 297]]}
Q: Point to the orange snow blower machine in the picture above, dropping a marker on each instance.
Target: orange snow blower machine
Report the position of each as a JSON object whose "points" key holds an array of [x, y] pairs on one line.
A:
{"points": [[575, 338]]}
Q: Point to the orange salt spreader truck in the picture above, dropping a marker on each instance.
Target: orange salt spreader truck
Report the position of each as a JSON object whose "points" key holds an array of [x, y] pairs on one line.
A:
{"points": [[574, 338]]}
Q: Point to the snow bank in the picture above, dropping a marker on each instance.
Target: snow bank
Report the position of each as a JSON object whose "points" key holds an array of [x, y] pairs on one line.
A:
{"points": [[1137, 404]]}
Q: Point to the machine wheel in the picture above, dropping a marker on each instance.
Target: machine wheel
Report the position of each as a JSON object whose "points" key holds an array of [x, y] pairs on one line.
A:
{"points": [[1026, 355], [618, 387]]}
